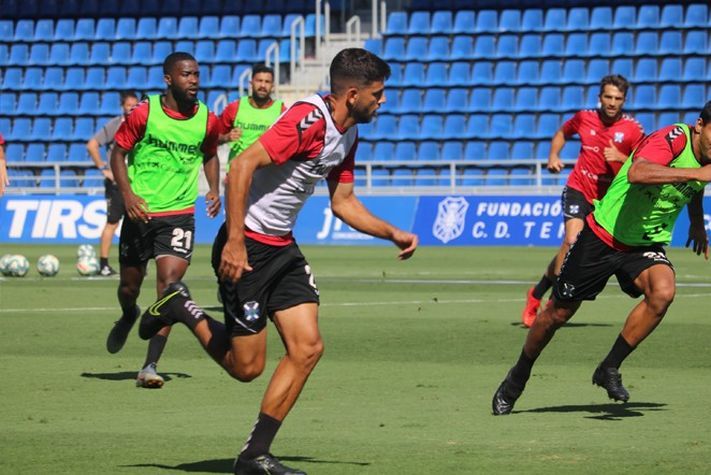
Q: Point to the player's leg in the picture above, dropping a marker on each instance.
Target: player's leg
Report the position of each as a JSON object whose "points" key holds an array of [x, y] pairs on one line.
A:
{"points": [[298, 328], [114, 213]]}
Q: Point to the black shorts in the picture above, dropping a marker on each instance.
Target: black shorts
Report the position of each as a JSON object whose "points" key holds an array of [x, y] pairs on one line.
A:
{"points": [[114, 202], [574, 204], [280, 279], [160, 236], [590, 263]]}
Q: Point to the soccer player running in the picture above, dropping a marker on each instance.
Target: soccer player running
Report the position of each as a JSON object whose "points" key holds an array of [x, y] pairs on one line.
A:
{"points": [[262, 273], [624, 236], [166, 139], [114, 202], [607, 137]]}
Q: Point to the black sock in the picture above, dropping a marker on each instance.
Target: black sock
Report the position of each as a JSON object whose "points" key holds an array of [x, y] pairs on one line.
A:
{"points": [[260, 440], [155, 349], [522, 369], [620, 350], [103, 262], [129, 312], [542, 287], [186, 311]]}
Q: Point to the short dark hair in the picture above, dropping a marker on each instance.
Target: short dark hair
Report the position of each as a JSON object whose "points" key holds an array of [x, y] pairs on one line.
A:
{"points": [[262, 68], [356, 66], [123, 95], [705, 114], [616, 80], [176, 57]]}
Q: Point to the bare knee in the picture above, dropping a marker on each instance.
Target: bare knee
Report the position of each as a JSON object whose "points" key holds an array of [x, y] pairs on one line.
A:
{"points": [[128, 290], [660, 299], [554, 316], [307, 354], [246, 372]]}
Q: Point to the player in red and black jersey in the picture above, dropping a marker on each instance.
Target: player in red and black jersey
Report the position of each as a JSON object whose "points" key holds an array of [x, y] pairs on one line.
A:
{"points": [[4, 180], [607, 137]]}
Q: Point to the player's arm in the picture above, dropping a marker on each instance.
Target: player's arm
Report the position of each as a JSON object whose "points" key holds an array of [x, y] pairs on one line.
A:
{"points": [[228, 132], [239, 179], [698, 238], [93, 147], [613, 154], [348, 208], [135, 206], [211, 167], [4, 180], [647, 172], [555, 164]]}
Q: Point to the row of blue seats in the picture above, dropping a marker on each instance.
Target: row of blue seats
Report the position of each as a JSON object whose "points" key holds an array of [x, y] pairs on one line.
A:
{"points": [[155, 8], [46, 178], [166, 28], [110, 78], [535, 45], [547, 72], [41, 152], [45, 129], [144, 53], [623, 17]]}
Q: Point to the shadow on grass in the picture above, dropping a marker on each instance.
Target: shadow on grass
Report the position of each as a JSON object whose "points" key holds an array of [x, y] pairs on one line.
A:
{"points": [[225, 465], [130, 375], [605, 412], [569, 325]]}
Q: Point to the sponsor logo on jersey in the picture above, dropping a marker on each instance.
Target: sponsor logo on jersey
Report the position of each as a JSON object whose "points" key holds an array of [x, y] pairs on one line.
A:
{"points": [[674, 134], [449, 223], [251, 311], [173, 146], [619, 137]]}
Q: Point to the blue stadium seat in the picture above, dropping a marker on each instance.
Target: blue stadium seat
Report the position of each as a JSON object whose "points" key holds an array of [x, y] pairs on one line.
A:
{"points": [[155, 78], [230, 27], [142, 53], [84, 30], [672, 16], [93, 178], [428, 150], [271, 26], [77, 153], [648, 17], [474, 150], [452, 150], [670, 70], [408, 128], [442, 23], [487, 21], [694, 97], [438, 49], [667, 118], [364, 152], [599, 45], [505, 72], [572, 98], [4, 54], [105, 29], [457, 100], [137, 77], [528, 72], [623, 67], [555, 19], [571, 150], [35, 152], [479, 99], [220, 76], [578, 19], [577, 44], [57, 152], [26, 104], [436, 75], [395, 79], [12, 80], [41, 127], [526, 99], [251, 26], [670, 43], [380, 177], [416, 49], [48, 104], [622, 44], [647, 43], [116, 78], [100, 53], [644, 97], [19, 53], [522, 150], [110, 102], [95, 78], [553, 45], [47, 178], [375, 46], [592, 97], [696, 42], [551, 71], [68, 103], [696, 16], [414, 74], [83, 128], [209, 27], [548, 125], [463, 48], [391, 104], [549, 99], [501, 125], [573, 71], [454, 127], [289, 19], [385, 127], [485, 47], [205, 51], [21, 130], [126, 29], [464, 23], [39, 54], [383, 151], [120, 53], [146, 28], [510, 20], [459, 74], [625, 17], [498, 150], [88, 104], [402, 177], [160, 50], [531, 20], [44, 30], [419, 23], [482, 72], [167, 28], [396, 24], [694, 68], [410, 101], [646, 70], [7, 102], [394, 49], [226, 51], [24, 30], [63, 129], [262, 47], [507, 46], [524, 127], [597, 69], [478, 126], [473, 176], [5, 125], [64, 29]]}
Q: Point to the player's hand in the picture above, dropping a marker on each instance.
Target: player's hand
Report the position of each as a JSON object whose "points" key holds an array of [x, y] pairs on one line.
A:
{"points": [[235, 134], [4, 179], [698, 239], [136, 208], [407, 242], [612, 154], [555, 164], [212, 203], [233, 262], [108, 174]]}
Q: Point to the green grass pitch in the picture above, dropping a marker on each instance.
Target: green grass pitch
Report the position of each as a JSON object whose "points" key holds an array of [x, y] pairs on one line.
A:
{"points": [[414, 352]]}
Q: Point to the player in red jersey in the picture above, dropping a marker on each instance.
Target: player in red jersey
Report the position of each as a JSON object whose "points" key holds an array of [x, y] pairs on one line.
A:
{"points": [[262, 273], [607, 137]]}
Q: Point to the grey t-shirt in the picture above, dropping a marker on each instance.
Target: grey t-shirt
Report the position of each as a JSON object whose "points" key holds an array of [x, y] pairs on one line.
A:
{"points": [[105, 135]]}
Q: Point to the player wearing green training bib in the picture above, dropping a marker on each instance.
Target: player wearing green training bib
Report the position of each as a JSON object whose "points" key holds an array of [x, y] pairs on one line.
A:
{"points": [[159, 151], [624, 237]]}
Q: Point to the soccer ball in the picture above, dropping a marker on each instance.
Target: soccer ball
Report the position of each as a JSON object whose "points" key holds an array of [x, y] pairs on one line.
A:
{"points": [[17, 266], [85, 250], [4, 261], [88, 266], [48, 265]]}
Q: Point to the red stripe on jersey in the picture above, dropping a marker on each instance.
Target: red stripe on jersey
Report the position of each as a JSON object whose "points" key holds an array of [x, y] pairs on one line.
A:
{"points": [[279, 241], [190, 210]]}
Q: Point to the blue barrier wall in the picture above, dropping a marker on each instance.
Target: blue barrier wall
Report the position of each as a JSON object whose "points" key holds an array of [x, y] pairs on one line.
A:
{"points": [[454, 220]]}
